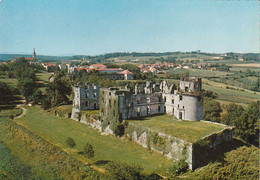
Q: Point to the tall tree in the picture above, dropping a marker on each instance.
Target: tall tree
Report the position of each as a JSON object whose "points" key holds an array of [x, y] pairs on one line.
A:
{"points": [[212, 110], [5, 93], [59, 90], [232, 113], [247, 126]]}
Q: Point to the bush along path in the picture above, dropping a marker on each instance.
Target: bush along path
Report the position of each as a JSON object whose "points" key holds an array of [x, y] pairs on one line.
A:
{"points": [[23, 113]]}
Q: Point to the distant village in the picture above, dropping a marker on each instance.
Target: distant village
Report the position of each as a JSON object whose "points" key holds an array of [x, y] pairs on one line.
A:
{"points": [[118, 73]]}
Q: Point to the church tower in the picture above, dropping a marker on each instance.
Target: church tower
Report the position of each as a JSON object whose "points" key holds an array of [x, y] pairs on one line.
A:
{"points": [[34, 53]]}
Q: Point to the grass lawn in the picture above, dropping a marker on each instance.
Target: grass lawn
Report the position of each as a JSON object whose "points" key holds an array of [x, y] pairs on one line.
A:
{"points": [[10, 81], [8, 112], [56, 130], [187, 130], [244, 97], [43, 76]]}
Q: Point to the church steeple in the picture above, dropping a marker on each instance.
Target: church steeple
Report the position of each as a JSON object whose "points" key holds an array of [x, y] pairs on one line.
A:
{"points": [[34, 53]]}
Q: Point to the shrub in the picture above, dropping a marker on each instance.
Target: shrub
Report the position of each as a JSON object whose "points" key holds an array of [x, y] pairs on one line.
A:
{"points": [[88, 150], [120, 130], [122, 171], [179, 167], [70, 142], [11, 116]]}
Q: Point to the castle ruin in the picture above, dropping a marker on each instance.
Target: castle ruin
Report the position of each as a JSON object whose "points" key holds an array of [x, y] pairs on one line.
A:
{"points": [[184, 102]]}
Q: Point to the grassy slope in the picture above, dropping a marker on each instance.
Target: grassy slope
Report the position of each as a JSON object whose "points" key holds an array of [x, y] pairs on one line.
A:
{"points": [[24, 155], [56, 130], [187, 130], [10, 81], [244, 97], [43, 76]]}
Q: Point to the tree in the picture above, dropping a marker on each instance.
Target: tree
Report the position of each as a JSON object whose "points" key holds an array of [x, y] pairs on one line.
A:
{"points": [[179, 167], [37, 96], [247, 126], [88, 150], [122, 171], [59, 90], [5, 93], [212, 110], [27, 87], [70, 142], [233, 112]]}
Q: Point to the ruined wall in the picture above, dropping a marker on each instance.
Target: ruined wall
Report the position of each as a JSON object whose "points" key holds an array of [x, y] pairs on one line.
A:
{"points": [[86, 97], [210, 147], [172, 147], [91, 120], [195, 154], [109, 109]]}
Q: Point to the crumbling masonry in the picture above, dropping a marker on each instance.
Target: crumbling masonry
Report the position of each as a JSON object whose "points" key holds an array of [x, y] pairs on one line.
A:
{"points": [[184, 102]]}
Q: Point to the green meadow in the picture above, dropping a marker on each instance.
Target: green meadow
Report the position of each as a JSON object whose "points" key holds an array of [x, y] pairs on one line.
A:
{"points": [[107, 148], [190, 131]]}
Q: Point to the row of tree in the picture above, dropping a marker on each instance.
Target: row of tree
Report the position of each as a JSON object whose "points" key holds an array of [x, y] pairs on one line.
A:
{"points": [[245, 121]]}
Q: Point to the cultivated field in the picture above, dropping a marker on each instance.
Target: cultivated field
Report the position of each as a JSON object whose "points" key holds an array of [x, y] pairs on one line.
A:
{"points": [[231, 95], [256, 65]]}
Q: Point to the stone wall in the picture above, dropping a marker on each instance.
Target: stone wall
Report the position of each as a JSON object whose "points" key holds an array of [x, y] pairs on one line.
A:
{"points": [[210, 147], [172, 147], [195, 154], [89, 120]]}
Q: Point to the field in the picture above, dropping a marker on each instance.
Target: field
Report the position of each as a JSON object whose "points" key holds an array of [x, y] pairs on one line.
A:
{"points": [[43, 76], [190, 131], [253, 65], [10, 81], [198, 72], [107, 148], [231, 95], [243, 69]]}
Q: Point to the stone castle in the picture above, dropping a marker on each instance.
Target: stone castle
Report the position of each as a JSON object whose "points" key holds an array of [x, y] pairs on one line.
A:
{"points": [[184, 102], [117, 105]]}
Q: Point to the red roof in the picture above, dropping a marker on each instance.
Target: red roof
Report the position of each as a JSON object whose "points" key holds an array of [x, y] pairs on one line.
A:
{"points": [[126, 72], [98, 65], [110, 69], [29, 59]]}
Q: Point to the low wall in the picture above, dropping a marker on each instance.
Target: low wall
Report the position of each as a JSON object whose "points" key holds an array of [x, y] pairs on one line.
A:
{"points": [[90, 120], [211, 147], [172, 147], [195, 154]]}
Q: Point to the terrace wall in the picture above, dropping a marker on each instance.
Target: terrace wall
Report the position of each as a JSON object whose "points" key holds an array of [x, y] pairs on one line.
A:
{"points": [[172, 147], [195, 154]]}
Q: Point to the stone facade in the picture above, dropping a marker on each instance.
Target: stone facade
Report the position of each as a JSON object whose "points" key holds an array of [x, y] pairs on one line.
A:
{"points": [[185, 102], [86, 97]]}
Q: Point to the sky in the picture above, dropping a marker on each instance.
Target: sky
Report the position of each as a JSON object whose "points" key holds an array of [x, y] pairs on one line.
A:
{"points": [[93, 27]]}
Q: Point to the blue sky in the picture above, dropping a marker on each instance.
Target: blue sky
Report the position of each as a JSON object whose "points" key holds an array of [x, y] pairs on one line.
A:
{"points": [[91, 27]]}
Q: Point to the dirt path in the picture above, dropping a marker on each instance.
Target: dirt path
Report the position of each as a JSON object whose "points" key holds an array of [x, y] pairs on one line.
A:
{"points": [[23, 114]]}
